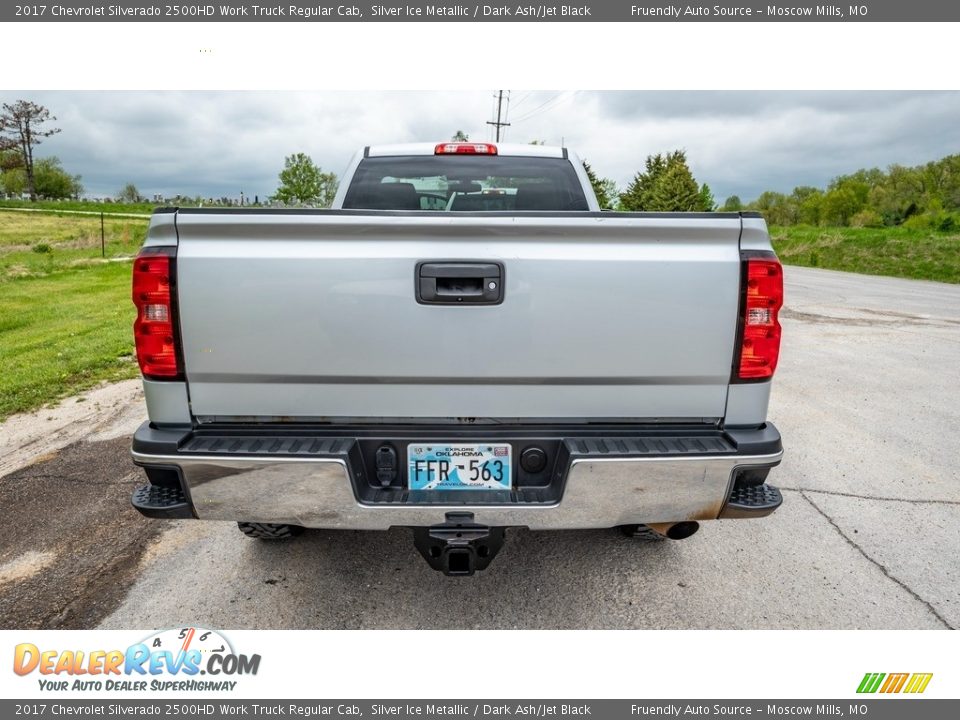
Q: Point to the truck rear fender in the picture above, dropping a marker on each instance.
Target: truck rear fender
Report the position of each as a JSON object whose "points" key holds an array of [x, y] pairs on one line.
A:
{"points": [[168, 401], [747, 403]]}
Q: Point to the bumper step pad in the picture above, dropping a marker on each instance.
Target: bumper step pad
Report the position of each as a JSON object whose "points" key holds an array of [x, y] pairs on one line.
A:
{"points": [[752, 502], [154, 501], [658, 445], [288, 445]]}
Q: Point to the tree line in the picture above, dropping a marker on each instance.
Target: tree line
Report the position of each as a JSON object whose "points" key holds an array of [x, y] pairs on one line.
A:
{"points": [[666, 184], [925, 196]]}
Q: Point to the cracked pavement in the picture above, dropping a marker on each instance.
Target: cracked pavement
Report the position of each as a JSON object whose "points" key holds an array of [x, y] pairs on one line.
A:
{"points": [[867, 398]]}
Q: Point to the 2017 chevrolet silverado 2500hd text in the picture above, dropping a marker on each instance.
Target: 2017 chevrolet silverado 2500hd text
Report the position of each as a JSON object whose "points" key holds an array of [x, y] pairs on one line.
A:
{"points": [[463, 344]]}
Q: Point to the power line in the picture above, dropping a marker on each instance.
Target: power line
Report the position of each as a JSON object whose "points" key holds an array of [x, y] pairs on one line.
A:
{"points": [[499, 124], [543, 104], [506, 113], [526, 96], [537, 108], [553, 103]]}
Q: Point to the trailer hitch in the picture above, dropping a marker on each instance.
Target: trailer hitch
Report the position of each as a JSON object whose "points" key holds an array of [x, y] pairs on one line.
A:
{"points": [[458, 546]]}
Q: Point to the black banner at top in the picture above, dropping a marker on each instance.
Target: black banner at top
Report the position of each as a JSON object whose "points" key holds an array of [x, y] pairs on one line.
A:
{"points": [[459, 11]]}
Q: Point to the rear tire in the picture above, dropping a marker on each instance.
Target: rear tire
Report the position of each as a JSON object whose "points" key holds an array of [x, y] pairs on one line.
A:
{"points": [[641, 533], [269, 531]]}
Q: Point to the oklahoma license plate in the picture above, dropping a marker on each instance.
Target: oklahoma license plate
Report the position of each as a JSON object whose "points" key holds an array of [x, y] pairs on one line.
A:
{"points": [[458, 467]]}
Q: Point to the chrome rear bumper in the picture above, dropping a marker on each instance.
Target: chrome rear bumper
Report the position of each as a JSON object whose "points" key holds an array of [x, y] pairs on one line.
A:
{"points": [[598, 492]]}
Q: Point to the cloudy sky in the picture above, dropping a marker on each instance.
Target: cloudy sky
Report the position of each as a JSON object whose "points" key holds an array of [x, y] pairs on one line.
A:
{"points": [[222, 143]]}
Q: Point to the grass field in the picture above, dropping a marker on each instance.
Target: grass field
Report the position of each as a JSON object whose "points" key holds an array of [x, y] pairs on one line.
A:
{"points": [[899, 252], [63, 333], [65, 312], [83, 205], [39, 244]]}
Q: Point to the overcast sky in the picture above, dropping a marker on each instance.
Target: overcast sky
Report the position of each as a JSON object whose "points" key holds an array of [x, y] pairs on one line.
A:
{"points": [[221, 143]]}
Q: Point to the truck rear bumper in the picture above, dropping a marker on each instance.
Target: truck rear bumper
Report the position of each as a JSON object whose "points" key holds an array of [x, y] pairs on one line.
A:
{"points": [[318, 480]]}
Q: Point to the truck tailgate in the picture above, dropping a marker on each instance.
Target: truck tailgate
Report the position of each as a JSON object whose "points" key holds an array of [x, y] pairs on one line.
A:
{"points": [[314, 315]]}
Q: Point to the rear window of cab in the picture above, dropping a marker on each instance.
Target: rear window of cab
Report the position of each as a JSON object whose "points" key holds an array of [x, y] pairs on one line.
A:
{"points": [[465, 183]]}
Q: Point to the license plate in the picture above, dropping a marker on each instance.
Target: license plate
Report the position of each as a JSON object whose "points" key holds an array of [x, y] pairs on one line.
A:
{"points": [[458, 467]]}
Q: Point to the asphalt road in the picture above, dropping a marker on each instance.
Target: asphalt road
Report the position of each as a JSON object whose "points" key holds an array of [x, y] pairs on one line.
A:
{"points": [[867, 398]]}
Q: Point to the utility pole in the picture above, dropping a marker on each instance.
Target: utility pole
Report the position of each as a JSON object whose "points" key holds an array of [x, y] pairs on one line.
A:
{"points": [[499, 124]]}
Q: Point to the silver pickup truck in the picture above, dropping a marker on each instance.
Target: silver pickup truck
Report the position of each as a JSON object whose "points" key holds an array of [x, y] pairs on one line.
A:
{"points": [[462, 345]]}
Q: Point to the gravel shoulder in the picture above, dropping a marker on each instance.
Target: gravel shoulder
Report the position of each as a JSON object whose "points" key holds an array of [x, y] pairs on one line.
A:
{"points": [[102, 413], [70, 544]]}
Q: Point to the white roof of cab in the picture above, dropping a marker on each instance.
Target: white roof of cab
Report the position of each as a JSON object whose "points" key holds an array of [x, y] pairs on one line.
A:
{"points": [[516, 150]]}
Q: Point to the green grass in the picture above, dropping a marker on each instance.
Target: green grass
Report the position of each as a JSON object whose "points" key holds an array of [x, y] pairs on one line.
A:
{"points": [[142, 208], [84, 205], [40, 244], [63, 333], [899, 252], [65, 312]]}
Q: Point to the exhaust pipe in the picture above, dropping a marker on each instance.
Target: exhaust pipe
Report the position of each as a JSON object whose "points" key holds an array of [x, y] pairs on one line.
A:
{"points": [[675, 531]]}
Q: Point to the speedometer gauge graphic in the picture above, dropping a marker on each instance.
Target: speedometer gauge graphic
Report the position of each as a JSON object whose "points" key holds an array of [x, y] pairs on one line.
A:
{"points": [[182, 640]]}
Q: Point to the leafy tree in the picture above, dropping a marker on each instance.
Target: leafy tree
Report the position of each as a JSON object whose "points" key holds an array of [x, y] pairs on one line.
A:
{"points": [[22, 128], [9, 160], [666, 185], [609, 188], [951, 185], [604, 188], [807, 202], [302, 181], [776, 208], [733, 204], [13, 182], [677, 191], [926, 196], [129, 194], [460, 136], [839, 205], [857, 185], [639, 193], [55, 182], [707, 201]]}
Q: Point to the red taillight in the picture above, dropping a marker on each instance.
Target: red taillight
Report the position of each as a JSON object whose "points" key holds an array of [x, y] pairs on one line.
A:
{"points": [[763, 298], [154, 330], [461, 148]]}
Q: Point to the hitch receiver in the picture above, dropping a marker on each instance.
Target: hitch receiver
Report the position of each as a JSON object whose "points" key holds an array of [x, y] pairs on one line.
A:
{"points": [[458, 546]]}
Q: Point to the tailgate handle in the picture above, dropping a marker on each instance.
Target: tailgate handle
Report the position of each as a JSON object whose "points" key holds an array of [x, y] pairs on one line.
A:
{"points": [[459, 283]]}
